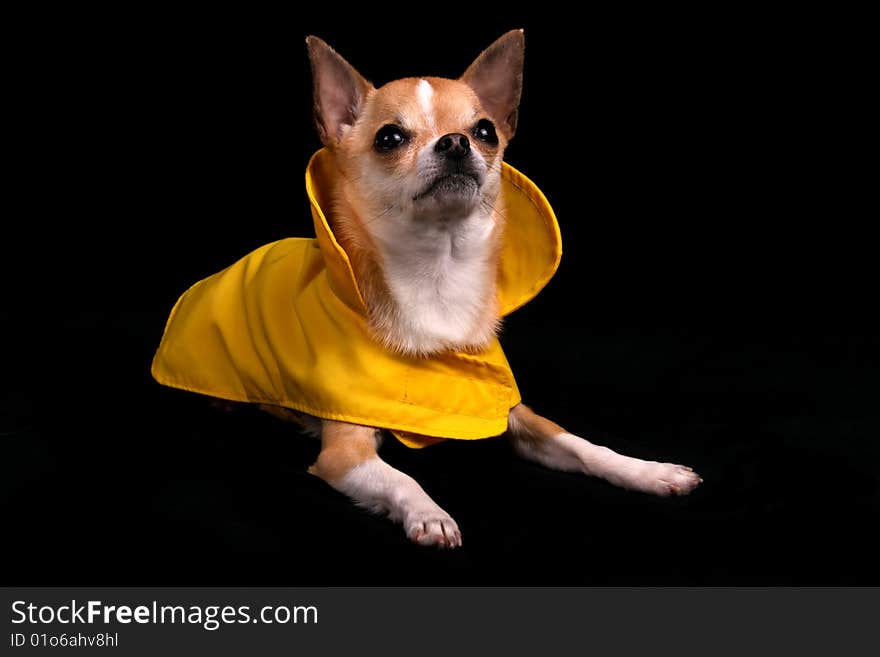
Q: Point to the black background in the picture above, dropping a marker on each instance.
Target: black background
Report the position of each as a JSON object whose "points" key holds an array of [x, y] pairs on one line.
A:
{"points": [[714, 306]]}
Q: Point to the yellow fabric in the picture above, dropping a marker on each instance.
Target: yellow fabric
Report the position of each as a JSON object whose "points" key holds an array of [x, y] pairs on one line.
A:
{"points": [[286, 325]]}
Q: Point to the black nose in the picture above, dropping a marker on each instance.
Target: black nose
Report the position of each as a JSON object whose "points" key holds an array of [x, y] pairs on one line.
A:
{"points": [[454, 146]]}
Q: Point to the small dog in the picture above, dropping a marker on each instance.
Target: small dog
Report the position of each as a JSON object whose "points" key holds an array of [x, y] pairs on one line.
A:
{"points": [[426, 234]]}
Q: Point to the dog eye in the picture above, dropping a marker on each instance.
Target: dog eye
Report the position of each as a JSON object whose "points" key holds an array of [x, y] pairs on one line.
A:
{"points": [[485, 131], [388, 138]]}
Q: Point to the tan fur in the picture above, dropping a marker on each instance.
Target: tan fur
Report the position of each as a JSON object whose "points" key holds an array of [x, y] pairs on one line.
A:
{"points": [[530, 426], [343, 446]]}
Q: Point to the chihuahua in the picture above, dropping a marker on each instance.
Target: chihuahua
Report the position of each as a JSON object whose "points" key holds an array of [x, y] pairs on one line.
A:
{"points": [[397, 303], [422, 157]]}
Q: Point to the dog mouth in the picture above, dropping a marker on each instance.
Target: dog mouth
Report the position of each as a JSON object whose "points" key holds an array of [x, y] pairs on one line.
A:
{"points": [[451, 184]]}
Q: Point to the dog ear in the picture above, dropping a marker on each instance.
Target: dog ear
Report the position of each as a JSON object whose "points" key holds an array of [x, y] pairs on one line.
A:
{"points": [[339, 91], [496, 77]]}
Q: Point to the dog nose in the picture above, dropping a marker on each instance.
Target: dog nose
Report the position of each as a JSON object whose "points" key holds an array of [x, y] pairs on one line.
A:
{"points": [[454, 145]]}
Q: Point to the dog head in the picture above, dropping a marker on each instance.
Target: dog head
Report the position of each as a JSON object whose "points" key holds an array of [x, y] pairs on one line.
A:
{"points": [[419, 149]]}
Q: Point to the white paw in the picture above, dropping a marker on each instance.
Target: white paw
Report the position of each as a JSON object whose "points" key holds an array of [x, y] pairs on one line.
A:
{"points": [[431, 525], [661, 479], [377, 486]]}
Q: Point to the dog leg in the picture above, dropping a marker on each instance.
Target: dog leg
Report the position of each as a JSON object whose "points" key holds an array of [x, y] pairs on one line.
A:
{"points": [[538, 439], [349, 463]]}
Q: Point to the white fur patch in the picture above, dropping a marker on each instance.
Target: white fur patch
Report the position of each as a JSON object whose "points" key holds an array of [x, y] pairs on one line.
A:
{"points": [[438, 273], [425, 94]]}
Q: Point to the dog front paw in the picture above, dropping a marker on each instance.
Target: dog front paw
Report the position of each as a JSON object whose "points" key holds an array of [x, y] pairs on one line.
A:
{"points": [[662, 479], [432, 526]]}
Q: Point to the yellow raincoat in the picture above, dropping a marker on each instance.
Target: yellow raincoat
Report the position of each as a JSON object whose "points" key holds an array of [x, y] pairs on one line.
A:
{"points": [[286, 325]]}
